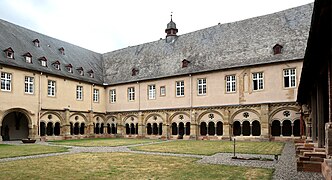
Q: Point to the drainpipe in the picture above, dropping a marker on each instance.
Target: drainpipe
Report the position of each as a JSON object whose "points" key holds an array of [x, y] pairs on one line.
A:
{"points": [[39, 102], [191, 101]]}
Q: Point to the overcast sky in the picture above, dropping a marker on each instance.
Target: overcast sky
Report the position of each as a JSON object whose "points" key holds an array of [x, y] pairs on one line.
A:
{"points": [[105, 25]]}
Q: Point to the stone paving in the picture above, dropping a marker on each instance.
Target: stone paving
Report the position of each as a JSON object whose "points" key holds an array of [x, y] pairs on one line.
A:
{"points": [[285, 166]]}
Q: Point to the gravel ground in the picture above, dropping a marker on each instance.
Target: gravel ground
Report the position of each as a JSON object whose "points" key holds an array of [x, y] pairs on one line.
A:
{"points": [[285, 167]]}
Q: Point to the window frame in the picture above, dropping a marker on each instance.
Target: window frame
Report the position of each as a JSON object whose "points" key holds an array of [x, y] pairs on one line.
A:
{"points": [[151, 91], [230, 83], [259, 80], [201, 87], [289, 75], [79, 93], [29, 85], [179, 88], [162, 92], [51, 88], [95, 96], [6, 82], [112, 96], [131, 93]]}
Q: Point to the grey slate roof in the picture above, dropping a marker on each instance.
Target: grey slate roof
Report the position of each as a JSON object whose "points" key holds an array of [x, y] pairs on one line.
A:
{"points": [[237, 44], [20, 40]]}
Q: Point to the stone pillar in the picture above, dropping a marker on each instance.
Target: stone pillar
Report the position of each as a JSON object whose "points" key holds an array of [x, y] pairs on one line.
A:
{"points": [[241, 126], [250, 129], [90, 123], [65, 129], [328, 139], [226, 125], [141, 125], [265, 121], [119, 125], [193, 130], [281, 129], [292, 125]]}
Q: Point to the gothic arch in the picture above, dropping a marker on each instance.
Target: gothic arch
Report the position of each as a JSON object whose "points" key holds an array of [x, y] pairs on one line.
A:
{"points": [[44, 117], [129, 116], [103, 119], [154, 114], [85, 120], [245, 119], [199, 118], [171, 118], [109, 119], [275, 115]]}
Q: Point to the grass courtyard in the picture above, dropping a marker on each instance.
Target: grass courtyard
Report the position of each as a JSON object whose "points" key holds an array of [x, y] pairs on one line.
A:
{"points": [[27, 150], [124, 166], [110, 142], [213, 147]]}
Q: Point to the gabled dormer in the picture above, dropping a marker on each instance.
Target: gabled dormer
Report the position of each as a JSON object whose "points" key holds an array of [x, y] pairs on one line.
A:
{"points": [[36, 43], [91, 73], [69, 68], [185, 63], [134, 71], [80, 71], [56, 65], [9, 52], [62, 50], [277, 49], [43, 61], [28, 57]]}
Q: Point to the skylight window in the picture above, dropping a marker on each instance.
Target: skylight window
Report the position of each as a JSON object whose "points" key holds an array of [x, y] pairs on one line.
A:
{"points": [[43, 61], [9, 53], [28, 57], [36, 42]]}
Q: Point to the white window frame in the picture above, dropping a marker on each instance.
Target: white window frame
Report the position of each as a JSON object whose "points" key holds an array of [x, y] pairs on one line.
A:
{"points": [[201, 86], [43, 63], [290, 76], [162, 90], [152, 91], [6, 81], [131, 94], [113, 95], [57, 66], [51, 88], [79, 93], [95, 95], [28, 59], [28, 85], [179, 88], [230, 84], [258, 79]]}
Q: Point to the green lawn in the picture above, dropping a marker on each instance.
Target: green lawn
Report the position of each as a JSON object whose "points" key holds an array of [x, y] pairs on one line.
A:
{"points": [[212, 147], [27, 149], [124, 166], [102, 142]]}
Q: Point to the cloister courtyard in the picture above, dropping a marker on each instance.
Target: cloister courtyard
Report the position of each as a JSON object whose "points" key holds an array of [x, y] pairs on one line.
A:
{"points": [[117, 158]]}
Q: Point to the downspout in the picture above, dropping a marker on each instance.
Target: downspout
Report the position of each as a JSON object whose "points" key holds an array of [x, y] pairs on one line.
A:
{"points": [[191, 101], [39, 102]]}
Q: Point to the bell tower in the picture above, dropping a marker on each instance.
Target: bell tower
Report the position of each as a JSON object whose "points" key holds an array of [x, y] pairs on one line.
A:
{"points": [[171, 30]]}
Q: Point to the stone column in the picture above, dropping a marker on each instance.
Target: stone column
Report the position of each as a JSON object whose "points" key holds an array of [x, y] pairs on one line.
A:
{"points": [[90, 124], [65, 129], [281, 129], [119, 125], [265, 121], [241, 126], [141, 125], [292, 125], [226, 125], [250, 129]]}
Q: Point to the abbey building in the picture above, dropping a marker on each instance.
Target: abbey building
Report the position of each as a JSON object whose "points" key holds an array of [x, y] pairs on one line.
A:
{"points": [[237, 79]]}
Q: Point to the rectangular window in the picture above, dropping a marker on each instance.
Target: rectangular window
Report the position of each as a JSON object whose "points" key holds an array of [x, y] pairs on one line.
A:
{"points": [[43, 63], [201, 86], [231, 83], [152, 91], [162, 90], [28, 85], [258, 81], [79, 92], [131, 94], [6, 81], [51, 88], [180, 88], [112, 95], [28, 59], [95, 95], [289, 78]]}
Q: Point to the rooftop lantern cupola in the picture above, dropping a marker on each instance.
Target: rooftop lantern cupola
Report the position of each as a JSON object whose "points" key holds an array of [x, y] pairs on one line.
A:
{"points": [[171, 31]]}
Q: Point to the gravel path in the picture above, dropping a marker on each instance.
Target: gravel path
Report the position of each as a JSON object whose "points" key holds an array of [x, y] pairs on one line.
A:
{"points": [[285, 167]]}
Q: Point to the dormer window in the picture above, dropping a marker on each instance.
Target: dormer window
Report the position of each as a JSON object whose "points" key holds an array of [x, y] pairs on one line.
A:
{"points": [[36, 42], [91, 74], [69, 68], [134, 72], [80, 71], [277, 49], [56, 65], [62, 50], [28, 57], [43, 61], [185, 63], [9, 53]]}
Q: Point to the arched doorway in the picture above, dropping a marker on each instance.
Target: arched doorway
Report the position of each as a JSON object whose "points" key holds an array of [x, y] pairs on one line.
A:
{"points": [[236, 128], [276, 128], [286, 128], [15, 126], [246, 128], [256, 128]]}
